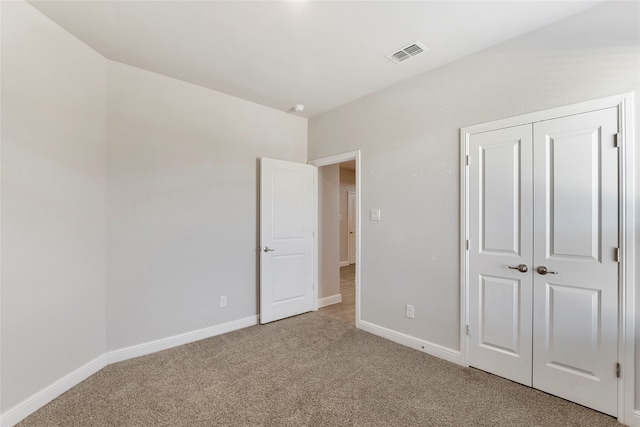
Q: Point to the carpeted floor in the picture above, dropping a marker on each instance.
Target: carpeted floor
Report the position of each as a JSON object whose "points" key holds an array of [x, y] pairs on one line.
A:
{"points": [[309, 370]]}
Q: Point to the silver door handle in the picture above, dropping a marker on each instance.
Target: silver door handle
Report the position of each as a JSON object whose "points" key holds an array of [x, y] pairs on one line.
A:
{"points": [[543, 270], [522, 268], [268, 249]]}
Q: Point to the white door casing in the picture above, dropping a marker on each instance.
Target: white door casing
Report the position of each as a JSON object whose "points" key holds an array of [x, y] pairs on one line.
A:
{"points": [[574, 215], [287, 224], [351, 224]]}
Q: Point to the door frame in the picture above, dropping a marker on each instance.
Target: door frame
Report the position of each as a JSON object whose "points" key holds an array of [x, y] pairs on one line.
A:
{"points": [[627, 295], [332, 160]]}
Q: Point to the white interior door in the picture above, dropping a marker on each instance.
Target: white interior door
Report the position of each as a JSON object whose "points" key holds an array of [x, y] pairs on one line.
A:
{"points": [[500, 230], [555, 325], [576, 222], [287, 215], [351, 224]]}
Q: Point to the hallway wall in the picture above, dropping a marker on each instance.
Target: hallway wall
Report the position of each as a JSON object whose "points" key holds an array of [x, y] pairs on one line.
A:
{"points": [[347, 183]]}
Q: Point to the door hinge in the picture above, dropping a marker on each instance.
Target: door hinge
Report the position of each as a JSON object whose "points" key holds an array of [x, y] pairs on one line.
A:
{"points": [[467, 330], [617, 141], [467, 244], [617, 370], [617, 254], [468, 160]]}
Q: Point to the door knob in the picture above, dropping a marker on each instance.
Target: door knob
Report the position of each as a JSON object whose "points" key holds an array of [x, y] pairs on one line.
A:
{"points": [[268, 249], [543, 270], [522, 268]]}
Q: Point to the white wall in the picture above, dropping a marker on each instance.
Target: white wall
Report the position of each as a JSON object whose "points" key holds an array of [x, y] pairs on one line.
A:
{"points": [[175, 163], [329, 231], [53, 203], [347, 183], [408, 135], [182, 185], [182, 203]]}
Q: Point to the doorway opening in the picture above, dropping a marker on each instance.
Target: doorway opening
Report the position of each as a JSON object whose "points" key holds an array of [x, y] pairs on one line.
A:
{"points": [[339, 254]]}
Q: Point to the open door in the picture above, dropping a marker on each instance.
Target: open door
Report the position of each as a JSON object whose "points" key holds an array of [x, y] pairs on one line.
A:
{"points": [[287, 241]]}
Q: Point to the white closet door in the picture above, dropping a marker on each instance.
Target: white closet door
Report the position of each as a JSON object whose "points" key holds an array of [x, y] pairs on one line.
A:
{"points": [[576, 233], [500, 230], [545, 196]]}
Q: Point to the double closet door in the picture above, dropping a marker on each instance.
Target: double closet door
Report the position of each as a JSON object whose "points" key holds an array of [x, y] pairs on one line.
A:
{"points": [[543, 268]]}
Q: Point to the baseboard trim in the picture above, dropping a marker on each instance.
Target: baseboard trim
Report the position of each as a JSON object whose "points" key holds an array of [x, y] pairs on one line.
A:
{"points": [[28, 406], [436, 350], [344, 264], [177, 340], [333, 299]]}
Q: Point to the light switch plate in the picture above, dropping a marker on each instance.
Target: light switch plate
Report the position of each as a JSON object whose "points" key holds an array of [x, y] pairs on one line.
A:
{"points": [[374, 214]]}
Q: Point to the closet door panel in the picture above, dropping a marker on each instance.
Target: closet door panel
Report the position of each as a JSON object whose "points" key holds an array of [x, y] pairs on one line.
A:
{"points": [[500, 297], [575, 333]]}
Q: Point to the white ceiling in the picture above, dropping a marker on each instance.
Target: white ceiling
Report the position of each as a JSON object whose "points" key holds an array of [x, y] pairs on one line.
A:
{"points": [[279, 53]]}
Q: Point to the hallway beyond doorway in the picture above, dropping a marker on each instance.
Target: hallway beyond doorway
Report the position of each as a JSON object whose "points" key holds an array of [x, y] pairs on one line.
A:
{"points": [[345, 310]]}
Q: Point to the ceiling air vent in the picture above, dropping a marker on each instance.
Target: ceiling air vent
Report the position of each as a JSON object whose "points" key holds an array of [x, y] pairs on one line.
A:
{"points": [[407, 52]]}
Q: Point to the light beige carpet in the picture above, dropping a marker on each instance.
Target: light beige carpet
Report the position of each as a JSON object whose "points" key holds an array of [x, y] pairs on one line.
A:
{"points": [[309, 370]]}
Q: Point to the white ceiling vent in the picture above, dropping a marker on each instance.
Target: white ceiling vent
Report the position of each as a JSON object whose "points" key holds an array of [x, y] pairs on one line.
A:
{"points": [[407, 52]]}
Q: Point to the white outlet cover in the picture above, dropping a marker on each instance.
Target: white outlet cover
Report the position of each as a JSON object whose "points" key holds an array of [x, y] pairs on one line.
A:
{"points": [[410, 311], [374, 214]]}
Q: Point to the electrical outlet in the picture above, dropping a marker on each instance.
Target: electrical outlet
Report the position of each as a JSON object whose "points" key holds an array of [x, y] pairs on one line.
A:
{"points": [[410, 311], [223, 301]]}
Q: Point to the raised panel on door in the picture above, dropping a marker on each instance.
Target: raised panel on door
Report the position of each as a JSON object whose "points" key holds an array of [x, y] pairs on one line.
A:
{"points": [[576, 223], [498, 329], [500, 231]]}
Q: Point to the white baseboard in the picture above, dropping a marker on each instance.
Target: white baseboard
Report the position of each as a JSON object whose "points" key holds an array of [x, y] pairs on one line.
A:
{"points": [[421, 345], [344, 264], [28, 406], [333, 299], [176, 340], [25, 408]]}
